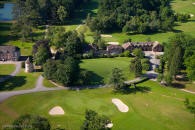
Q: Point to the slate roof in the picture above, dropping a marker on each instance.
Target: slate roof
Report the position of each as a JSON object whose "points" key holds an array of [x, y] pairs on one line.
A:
{"points": [[137, 44], [9, 49]]}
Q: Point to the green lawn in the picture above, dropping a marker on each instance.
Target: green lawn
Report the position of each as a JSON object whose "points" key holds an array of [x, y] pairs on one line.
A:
{"points": [[48, 84], [20, 82], [190, 86], [6, 69], [101, 68], [159, 109]]}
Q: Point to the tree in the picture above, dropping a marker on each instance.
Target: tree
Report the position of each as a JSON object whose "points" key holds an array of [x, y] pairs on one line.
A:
{"points": [[117, 79], [138, 53], [58, 37], [93, 121], [190, 67], [96, 37], [22, 29], [73, 44], [101, 44], [62, 14], [168, 79], [42, 55], [135, 16], [136, 67], [31, 122], [49, 69], [127, 53], [64, 74], [68, 71], [88, 20]]}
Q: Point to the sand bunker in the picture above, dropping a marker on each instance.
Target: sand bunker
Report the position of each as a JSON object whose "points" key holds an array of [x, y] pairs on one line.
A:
{"points": [[191, 15], [102, 35], [120, 105], [113, 43], [56, 111], [110, 125], [193, 3]]}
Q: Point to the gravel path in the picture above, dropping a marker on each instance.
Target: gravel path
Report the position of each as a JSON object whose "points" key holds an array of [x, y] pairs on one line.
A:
{"points": [[187, 91], [16, 71]]}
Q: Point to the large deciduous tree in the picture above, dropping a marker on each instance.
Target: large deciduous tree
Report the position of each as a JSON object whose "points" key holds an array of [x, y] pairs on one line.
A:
{"points": [[117, 79], [31, 122], [136, 67], [42, 55], [138, 53], [93, 121], [62, 14], [68, 71]]}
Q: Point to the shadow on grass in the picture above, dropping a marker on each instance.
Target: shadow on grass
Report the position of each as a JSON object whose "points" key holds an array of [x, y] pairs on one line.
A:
{"points": [[129, 90], [14, 82], [4, 32], [177, 85], [95, 79], [82, 13]]}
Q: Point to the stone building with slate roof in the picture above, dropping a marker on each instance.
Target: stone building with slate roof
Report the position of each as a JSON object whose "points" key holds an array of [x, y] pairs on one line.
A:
{"points": [[145, 46], [9, 53]]}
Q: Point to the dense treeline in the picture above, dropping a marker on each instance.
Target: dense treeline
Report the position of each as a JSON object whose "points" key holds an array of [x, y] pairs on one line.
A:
{"points": [[46, 11], [134, 16], [32, 13], [179, 55]]}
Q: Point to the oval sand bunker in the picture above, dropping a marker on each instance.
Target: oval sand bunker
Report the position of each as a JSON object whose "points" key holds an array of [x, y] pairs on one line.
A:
{"points": [[110, 125], [56, 111], [120, 105]]}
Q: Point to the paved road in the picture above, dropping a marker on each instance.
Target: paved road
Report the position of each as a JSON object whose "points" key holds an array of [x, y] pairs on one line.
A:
{"points": [[39, 88], [16, 71]]}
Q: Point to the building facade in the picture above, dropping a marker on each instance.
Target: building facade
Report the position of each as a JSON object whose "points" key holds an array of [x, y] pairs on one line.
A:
{"points": [[9, 53], [145, 46]]}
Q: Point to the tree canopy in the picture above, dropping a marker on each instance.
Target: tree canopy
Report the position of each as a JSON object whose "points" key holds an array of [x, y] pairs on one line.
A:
{"points": [[93, 121], [117, 79], [179, 53], [136, 67], [137, 16], [31, 122]]}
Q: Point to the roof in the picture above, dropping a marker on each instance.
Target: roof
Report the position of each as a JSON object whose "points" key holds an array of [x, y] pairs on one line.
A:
{"points": [[114, 47], [28, 61], [137, 44], [9, 49], [156, 43]]}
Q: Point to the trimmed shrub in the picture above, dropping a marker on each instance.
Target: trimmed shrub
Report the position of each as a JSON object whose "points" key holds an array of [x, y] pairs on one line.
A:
{"points": [[159, 77], [23, 64], [127, 53], [146, 66], [122, 55]]}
